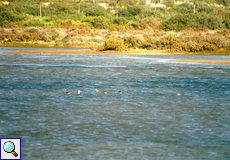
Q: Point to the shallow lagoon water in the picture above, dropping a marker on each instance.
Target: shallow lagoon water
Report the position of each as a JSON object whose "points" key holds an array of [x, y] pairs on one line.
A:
{"points": [[148, 121]]}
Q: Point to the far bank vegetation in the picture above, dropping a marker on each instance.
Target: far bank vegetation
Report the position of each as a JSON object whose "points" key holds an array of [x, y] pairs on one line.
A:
{"points": [[197, 26]]}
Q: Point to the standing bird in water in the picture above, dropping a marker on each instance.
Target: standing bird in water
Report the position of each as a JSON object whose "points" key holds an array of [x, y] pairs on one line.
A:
{"points": [[79, 91], [120, 92], [96, 90]]}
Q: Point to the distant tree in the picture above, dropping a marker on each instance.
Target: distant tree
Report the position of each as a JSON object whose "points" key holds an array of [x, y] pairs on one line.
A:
{"points": [[79, 5], [194, 7], [40, 8]]}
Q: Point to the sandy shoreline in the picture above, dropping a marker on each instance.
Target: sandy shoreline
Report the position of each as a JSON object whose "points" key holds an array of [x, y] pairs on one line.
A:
{"points": [[133, 52], [202, 61], [129, 52]]}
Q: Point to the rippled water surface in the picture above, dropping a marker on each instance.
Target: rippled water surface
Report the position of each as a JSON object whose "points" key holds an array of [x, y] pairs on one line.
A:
{"points": [[148, 121]]}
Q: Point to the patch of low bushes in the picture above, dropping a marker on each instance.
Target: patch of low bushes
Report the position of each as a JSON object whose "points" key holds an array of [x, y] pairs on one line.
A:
{"points": [[98, 22], [132, 42], [120, 21], [93, 10], [7, 16], [32, 23], [130, 11], [30, 34], [187, 42], [65, 24], [113, 44], [195, 43]]}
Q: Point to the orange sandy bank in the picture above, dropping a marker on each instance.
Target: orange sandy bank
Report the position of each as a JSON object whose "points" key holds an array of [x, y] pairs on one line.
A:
{"points": [[130, 52], [202, 61], [134, 52]]}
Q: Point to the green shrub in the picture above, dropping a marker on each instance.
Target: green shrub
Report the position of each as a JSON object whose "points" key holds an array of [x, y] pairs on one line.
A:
{"points": [[147, 11], [226, 20], [93, 10], [184, 8], [134, 25], [33, 23], [134, 10], [132, 42], [150, 44], [209, 21], [146, 45], [7, 16], [120, 21], [169, 3], [130, 2], [59, 8], [113, 44], [131, 11], [123, 12], [199, 21], [65, 24], [98, 22], [177, 22]]}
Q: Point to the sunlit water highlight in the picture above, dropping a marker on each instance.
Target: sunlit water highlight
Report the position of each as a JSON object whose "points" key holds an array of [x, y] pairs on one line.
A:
{"points": [[148, 121]]}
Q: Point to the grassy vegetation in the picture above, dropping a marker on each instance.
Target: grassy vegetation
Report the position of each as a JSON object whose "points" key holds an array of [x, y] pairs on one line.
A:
{"points": [[63, 23]]}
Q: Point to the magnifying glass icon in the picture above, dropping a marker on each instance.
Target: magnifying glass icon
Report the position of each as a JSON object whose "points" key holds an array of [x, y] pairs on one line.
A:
{"points": [[9, 147]]}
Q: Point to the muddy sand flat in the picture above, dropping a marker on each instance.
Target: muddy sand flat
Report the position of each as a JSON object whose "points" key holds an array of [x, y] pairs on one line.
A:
{"points": [[134, 52], [202, 61]]}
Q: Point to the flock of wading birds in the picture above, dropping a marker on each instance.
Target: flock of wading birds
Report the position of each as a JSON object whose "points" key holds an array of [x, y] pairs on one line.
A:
{"points": [[96, 90], [104, 92]]}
